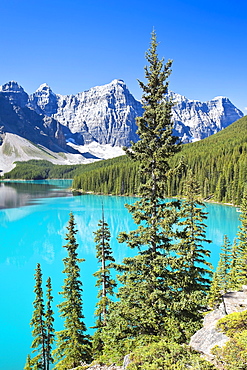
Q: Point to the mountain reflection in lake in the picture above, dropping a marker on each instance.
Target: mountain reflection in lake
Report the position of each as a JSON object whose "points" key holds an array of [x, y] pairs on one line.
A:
{"points": [[19, 194]]}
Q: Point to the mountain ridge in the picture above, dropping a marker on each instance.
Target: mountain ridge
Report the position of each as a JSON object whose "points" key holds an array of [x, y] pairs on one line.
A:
{"points": [[97, 123]]}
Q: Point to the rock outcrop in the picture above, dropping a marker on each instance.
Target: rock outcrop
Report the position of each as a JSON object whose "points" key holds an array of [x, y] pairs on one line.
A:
{"points": [[208, 337], [105, 367]]}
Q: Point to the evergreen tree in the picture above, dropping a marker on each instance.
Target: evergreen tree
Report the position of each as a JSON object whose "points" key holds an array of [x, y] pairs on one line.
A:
{"points": [[49, 320], [192, 268], [221, 278], [153, 151], [242, 239], [29, 364], [38, 323], [147, 280], [235, 267], [104, 281], [73, 346], [215, 294], [225, 264]]}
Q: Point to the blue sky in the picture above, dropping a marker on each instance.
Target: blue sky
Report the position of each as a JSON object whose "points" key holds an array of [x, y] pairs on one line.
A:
{"points": [[76, 44]]}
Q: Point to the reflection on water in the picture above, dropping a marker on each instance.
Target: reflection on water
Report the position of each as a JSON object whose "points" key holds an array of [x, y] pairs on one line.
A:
{"points": [[19, 194]]}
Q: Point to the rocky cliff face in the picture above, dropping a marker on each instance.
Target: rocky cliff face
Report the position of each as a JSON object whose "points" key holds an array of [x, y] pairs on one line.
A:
{"points": [[105, 114], [195, 120], [98, 122], [14, 93], [17, 118]]}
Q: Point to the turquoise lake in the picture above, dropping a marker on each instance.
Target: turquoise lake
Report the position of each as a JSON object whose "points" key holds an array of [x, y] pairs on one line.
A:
{"points": [[33, 220]]}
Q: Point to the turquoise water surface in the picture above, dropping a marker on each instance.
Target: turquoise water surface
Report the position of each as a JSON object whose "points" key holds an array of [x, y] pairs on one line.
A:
{"points": [[34, 233]]}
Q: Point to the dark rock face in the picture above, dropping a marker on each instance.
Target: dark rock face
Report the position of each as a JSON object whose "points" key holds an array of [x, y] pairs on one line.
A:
{"points": [[14, 93], [26, 123]]}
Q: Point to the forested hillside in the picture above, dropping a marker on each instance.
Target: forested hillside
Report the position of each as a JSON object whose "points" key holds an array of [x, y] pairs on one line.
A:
{"points": [[219, 163], [42, 169]]}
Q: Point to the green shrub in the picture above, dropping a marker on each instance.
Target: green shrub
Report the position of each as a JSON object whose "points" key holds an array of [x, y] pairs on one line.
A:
{"points": [[163, 355], [233, 355]]}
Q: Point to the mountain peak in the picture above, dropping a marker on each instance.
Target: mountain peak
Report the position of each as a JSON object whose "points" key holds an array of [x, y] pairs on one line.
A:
{"points": [[11, 86], [220, 98], [117, 82], [44, 88], [14, 93]]}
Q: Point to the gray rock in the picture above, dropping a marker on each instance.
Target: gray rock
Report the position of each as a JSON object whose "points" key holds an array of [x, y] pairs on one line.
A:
{"points": [[105, 367], [106, 114], [195, 120], [14, 93], [208, 337], [126, 361]]}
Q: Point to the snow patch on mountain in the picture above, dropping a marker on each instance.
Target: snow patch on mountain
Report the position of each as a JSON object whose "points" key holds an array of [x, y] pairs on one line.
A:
{"points": [[16, 148], [98, 151]]}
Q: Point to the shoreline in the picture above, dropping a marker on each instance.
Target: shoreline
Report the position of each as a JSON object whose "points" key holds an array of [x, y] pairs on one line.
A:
{"points": [[81, 192], [137, 196]]}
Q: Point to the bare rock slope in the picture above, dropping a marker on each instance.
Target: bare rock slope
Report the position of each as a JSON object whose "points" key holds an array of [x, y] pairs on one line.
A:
{"points": [[208, 337]]}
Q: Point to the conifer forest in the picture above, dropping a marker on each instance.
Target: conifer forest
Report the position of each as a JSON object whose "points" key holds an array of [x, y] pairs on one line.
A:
{"points": [[160, 295]]}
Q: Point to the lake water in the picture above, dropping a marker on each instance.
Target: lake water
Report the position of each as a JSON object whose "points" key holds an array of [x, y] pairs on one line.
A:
{"points": [[33, 220]]}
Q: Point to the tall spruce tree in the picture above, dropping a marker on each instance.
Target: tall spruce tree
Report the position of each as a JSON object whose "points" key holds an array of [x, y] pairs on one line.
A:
{"points": [[49, 320], [221, 278], [145, 296], [38, 323], [73, 345], [235, 267], [242, 239], [192, 267], [104, 282], [29, 363], [225, 264]]}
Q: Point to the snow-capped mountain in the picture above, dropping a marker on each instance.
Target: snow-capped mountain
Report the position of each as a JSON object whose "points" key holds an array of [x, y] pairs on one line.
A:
{"points": [[97, 123], [195, 120], [105, 114]]}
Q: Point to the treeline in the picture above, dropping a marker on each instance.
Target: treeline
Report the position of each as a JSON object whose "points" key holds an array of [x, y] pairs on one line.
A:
{"points": [[163, 288], [118, 178], [41, 170], [218, 162]]}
